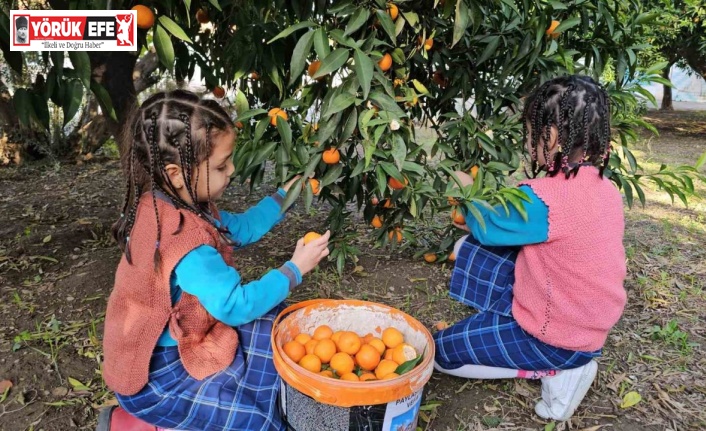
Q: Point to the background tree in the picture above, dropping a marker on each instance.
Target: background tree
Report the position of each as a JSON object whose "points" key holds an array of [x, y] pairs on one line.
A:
{"points": [[338, 89]]}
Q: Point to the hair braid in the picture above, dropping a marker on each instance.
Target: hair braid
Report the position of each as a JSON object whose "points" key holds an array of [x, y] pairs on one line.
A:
{"points": [[153, 154]]}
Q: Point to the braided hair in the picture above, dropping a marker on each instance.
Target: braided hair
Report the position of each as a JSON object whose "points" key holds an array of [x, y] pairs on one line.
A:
{"points": [[170, 127], [579, 108]]}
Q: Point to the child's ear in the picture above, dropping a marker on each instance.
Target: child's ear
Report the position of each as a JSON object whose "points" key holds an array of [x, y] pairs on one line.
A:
{"points": [[553, 138], [174, 173]]}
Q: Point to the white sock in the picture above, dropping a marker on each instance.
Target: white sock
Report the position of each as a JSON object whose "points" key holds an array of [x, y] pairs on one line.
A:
{"points": [[486, 372]]}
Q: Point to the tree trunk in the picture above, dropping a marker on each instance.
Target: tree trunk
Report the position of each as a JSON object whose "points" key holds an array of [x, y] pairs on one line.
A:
{"points": [[667, 94]]}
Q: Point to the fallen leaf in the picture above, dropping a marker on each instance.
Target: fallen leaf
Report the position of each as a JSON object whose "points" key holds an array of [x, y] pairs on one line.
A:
{"points": [[77, 385], [5, 385], [630, 399], [46, 239], [60, 391], [550, 426]]}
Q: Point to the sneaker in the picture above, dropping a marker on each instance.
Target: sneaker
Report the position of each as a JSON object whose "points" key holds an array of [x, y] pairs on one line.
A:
{"points": [[562, 394]]}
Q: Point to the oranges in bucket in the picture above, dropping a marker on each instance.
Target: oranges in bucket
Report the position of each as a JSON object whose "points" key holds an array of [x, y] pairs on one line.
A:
{"points": [[348, 356]]}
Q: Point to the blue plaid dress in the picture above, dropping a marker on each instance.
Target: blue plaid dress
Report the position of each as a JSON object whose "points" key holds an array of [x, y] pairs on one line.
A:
{"points": [[244, 396], [482, 278]]}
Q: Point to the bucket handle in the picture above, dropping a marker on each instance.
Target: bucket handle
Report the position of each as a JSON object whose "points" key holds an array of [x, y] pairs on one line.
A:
{"points": [[275, 327]]}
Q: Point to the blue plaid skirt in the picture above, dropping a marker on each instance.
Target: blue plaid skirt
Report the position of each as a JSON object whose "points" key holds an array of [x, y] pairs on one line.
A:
{"points": [[482, 278], [244, 396]]}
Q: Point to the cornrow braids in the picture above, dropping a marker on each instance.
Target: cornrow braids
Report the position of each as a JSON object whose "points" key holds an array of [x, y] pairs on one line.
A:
{"points": [[579, 108], [174, 127]]}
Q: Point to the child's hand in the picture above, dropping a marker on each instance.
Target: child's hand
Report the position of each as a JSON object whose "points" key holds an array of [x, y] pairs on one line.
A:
{"points": [[287, 186], [306, 257], [462, 226], [464, 178]]}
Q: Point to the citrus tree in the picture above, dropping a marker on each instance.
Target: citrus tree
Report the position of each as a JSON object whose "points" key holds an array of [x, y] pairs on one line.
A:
{"points": [[341, 92]]}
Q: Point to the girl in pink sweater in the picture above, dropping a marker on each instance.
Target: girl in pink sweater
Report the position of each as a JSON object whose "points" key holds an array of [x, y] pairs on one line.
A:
{"points": [[549, 286]]}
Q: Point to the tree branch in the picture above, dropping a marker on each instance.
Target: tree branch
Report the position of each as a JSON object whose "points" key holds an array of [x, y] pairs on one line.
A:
{"points": [[142, 74]]}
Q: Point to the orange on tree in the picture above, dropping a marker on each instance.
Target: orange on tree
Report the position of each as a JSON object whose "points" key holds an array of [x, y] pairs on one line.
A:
{"points": [[367, 376], [452, 201], [430, 257], [474, 172], [219, 92], [294, 350], [387, 204], [395, 184], [202, 16], [374, 201], [239, 125], [351, 377], [254, 76], [314, 183], [342, 363], [331, 156], [276, 112], [325, 349], [367, 357], [307, 239], [378, 345], [310, 346], [311, 363], [392, 337], [323, 331], [396, 234], [427, 45], [550, 30], [385, 367], [313, 68], [385, 62], [403, 353], [393, 11], [145, 16], [349, 342], [457, 216], [377, 222]]}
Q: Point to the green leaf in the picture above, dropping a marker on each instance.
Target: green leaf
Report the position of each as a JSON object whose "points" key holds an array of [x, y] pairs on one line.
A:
{"points": [[359, 18], [460, 21], [72, 99], [646, 17], [292, 194], [387, 103], [82, 65], [244, 116], [260, 129], [299, 55], [187, 7], [630, 399], [104, 100], [285, 132], [292, 29], [490, 49], [700, 163], [164, 47], [550, 426], [23, 106], [241, 103], [77, 385], [332, 62], [216, 5], [399, 150], [321, 43], [387, 25], [331, 175], [420, 87], [569, 23], [409, 365], [341, 102], [174, 28], [364, 71], [349, 127], [411, 17]]}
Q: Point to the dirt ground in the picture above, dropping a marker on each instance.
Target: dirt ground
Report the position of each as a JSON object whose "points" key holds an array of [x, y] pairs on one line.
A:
{"points": [[57, 262]]}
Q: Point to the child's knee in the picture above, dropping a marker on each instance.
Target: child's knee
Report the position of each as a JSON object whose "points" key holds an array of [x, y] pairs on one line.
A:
{"points": [[458, 244]]}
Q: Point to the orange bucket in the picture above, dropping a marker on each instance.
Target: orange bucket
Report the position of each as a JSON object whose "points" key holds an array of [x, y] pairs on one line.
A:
{"points": [[362, 317]]}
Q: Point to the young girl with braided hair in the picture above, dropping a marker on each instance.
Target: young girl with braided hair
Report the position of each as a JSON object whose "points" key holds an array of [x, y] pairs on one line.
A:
{"points": [[187, 342], [549, 287]]}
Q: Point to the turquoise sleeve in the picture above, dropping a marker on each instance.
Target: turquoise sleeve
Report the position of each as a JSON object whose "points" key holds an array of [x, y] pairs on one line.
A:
{"points": [[253, 224], [503, 229]]}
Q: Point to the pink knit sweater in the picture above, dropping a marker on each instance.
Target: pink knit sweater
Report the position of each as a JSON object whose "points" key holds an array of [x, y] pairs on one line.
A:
{"points": [[568, 290]]}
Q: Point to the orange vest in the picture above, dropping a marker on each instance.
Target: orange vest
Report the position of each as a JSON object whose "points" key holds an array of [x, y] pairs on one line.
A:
{"points": [[140, 306]]}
